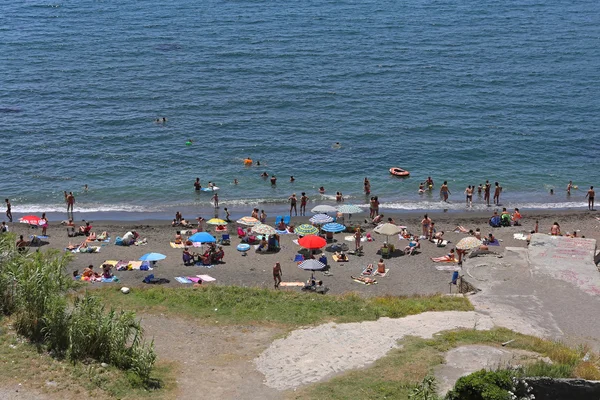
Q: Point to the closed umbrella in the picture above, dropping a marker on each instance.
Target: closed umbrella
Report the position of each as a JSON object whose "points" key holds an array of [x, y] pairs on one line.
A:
{"points": [[320, 219], [216, 221], [323, 208], [152, 257], [311, 265], [468, 243], [305, 229], [248, 221], [263, 229], [202, 237], [312, 242], [333, 227]]}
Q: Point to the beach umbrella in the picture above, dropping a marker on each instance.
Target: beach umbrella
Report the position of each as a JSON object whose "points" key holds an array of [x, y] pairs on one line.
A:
{"points": [[311, 265], [388, 230], [152, 257], [216, 221], [320, 219], [468, 243], [202, 237], [305, 229], [248, 221], [263, 229], [31, 220], [349, 209], [333, 227], [323, 208], [312, 242]]}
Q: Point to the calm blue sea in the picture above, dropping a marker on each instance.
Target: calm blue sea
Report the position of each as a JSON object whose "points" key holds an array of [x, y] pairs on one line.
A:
{"points": [[463, 91]]}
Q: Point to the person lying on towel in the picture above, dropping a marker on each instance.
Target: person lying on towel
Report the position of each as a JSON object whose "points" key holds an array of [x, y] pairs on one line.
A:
{"points": [[363, 279]]}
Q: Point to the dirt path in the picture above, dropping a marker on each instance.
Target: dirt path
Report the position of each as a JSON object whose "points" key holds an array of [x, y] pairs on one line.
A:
{"points": [[216, 362]]}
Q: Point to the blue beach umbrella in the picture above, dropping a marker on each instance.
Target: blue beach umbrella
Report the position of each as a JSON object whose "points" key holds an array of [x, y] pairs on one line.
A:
{"points": [[152, 257], [333, 227], [202, 237]]}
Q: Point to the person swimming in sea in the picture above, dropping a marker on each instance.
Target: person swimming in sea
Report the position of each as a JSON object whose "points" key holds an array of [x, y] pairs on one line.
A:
{"points": [[336, 145]]}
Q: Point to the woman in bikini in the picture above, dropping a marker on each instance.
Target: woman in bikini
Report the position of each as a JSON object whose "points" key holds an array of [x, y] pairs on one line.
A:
{"points": [[303, 202], [425, 222]]}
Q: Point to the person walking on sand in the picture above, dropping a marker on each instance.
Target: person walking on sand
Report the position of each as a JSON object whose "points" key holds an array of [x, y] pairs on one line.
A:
{"points": [[293, 200], [277, 274], [357, 238], [590, 196], [70, 202], [486, 192], [215, 199], [303, 201], [569, 187], [497, 191], [469, 194], [227, 214], [444, 191], [8, 210]]}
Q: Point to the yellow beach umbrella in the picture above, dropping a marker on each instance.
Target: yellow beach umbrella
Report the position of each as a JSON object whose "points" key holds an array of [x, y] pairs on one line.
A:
{"points": [[216, 221]]}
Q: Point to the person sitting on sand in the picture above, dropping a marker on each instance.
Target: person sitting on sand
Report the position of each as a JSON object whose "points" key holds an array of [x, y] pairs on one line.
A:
{"points": [[516, 217], [412, 247], [490, 239], [21, 244], [178, 238], [377, 220], [381, 266], [218, 255], [281, 226], [263, 244], [129, 238], [555, 229], [184, 223], [106, 271], [438, 238], [89, 273], [188, 257], [450, 255], [363, 279], [178, 217], [85, 230], [478, 234]]}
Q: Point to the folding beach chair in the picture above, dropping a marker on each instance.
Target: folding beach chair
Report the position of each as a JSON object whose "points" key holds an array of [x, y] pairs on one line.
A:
{"points": [[278, 219], [286, 220], [225, 240]]}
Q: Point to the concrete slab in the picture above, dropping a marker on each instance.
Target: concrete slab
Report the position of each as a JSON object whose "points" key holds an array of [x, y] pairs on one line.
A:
{"points": [[465, 360]]}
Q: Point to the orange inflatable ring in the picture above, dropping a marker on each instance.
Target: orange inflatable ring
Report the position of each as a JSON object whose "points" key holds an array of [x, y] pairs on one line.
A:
{"points": [[399, 172], [248, 161]]}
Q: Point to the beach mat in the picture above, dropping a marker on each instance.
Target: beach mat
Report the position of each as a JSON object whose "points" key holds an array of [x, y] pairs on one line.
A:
{"points": [[364, 283], [364, 272], [443, 259], [387, 270], [447, 267], [206, 278], [494, 243], [177, 246], [520, 236], [289, 284], [182, 279], [351, 239], [443, 244], [39, 236]]}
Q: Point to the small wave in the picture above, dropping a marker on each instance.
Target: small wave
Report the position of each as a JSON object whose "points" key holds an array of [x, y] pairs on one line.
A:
{"points": [[50, 208], [460, 206]]}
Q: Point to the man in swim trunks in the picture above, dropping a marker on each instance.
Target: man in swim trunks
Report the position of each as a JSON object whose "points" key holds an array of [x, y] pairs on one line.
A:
{"points": [[273, 180], [479, 189], [497, 191], [70, 202], [293, 200], [227, 214], [303, 201], [486, 193], [197, 184], [8, 210], [367, 186], [590, 196], [429, 183], [469, 194], [444, 191], [569, 187], [277, 274]]}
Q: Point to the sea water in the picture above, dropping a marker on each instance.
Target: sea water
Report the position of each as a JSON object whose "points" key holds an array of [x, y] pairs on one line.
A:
{"points": [[458, 90]]}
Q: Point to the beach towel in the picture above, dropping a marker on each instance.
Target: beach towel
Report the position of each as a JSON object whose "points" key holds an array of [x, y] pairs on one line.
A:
{"points": [[134, 265], [375, 273], [109, 280], [199, 264], [206, 278], [364, 283], [443, 244], [194, 279], [444, 259], [494, 243], [520, 236], [38, 236], [351, 239], [338, 258], [182, 279], [295, 241], [447, 267], [177, 246], [286, 232], [112, 263], [299, 284], [366, 273]]}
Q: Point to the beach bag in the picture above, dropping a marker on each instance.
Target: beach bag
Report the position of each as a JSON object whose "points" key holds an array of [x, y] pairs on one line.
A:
{"points": [[148, 278], [119, 241], [495, 221]]}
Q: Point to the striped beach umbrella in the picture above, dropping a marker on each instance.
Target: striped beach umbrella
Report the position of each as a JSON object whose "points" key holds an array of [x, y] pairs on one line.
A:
{"points": [[333, 227], [305, 229], [323, 208], [311, 265], [349, 209], [320, 219], [248, 221], [263, 229]]}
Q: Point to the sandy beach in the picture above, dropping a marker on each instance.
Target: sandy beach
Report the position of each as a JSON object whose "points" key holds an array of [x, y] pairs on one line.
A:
{"points": [[408, 275]]}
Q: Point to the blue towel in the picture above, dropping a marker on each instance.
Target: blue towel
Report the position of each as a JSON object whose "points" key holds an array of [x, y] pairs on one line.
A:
{"points": [[454, 277]]}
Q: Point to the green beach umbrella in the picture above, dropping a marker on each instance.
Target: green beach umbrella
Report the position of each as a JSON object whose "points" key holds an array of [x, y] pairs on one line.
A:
{"points": [[306, 229]]}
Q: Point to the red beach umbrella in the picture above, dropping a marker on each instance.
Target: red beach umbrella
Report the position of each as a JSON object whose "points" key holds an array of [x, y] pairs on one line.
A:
{"points": [[312, 242], [30, 219]]}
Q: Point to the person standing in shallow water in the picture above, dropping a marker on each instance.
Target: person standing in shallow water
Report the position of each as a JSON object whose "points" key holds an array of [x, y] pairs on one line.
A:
{"points": [[70, 202], [197, 185], [497, 191], [444, 191], [486, 192], [303, 202], [8, 210], [367, 186], [590, 196], [293, 200]]}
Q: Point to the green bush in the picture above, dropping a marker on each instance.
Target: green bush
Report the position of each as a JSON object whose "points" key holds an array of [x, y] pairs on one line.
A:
{"points": [[483, 385], [33, 288]]}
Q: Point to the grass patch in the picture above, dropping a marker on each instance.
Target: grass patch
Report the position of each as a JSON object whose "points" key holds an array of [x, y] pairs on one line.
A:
{"points": [[233, 304], [24, 362], [399, 372]]}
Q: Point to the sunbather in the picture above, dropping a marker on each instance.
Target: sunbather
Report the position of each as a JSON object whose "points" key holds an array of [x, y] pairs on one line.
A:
{"points": [[188, 257], [438, 238], [281, 226], [461, 229], [86, 229], [412, 247], [89, 272], [363, 279], [178, 237], [381, 266], [369, 270], [340, 256]]}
